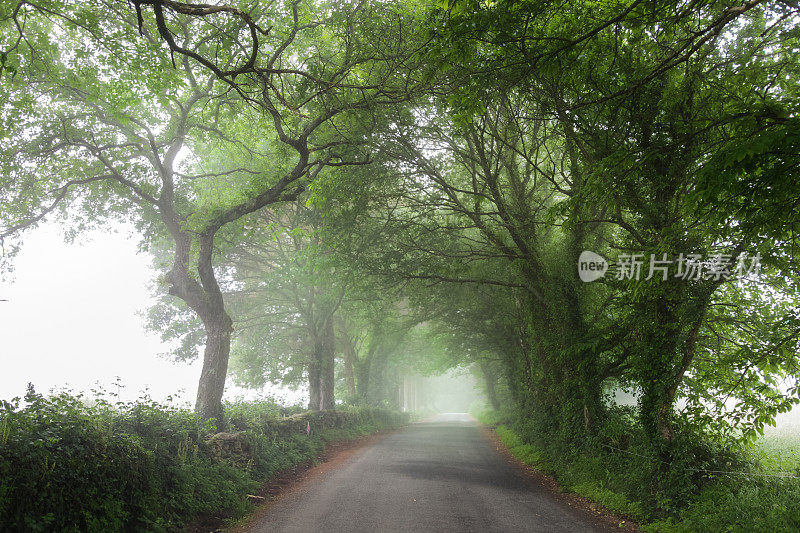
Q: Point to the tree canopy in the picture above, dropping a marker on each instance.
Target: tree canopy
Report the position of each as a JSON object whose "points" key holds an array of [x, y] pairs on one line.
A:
{"points": [[351, 194]]}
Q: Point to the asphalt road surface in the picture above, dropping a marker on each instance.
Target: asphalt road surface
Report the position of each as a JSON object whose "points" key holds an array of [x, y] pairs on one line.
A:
{"points": [[439, 475]]}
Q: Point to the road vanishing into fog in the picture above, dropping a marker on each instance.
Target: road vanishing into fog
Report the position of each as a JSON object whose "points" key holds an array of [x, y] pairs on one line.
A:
{"points": [[439, 475]]}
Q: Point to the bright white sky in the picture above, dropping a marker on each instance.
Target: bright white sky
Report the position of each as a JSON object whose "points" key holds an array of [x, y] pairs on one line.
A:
{"points": [[73, 320]]}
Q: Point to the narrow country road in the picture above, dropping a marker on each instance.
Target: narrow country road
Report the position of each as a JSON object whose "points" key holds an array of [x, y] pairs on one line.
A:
{"points": [[439, 475]]}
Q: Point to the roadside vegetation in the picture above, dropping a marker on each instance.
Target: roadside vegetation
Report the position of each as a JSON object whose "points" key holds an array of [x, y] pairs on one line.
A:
{"points": [[73, 464], [713, 489]]}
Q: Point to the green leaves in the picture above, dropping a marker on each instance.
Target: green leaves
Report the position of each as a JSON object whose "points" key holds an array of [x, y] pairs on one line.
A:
{"points": [[9, 64]]}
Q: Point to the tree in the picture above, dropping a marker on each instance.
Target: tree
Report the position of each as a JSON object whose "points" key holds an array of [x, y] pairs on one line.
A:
{"points": [[115, 136], [620, 139], [287, 302]]}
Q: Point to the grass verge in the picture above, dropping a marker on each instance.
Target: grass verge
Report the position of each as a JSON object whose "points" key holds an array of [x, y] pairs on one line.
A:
{"points": [[753, 499]]}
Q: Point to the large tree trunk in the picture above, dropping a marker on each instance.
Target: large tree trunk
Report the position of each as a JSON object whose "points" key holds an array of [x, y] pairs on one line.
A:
{"points": [[362, 369], [376, 391], [490, 381], [349, 353], [321, 377], [328, 377], [205, 299], [314, 382], [665, 408], [215, 366]]}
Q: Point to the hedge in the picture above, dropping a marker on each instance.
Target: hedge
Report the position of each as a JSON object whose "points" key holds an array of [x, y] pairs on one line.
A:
{"points": [[72, 464]]}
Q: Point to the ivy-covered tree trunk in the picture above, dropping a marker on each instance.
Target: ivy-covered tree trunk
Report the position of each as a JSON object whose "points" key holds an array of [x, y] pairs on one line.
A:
{"points": [[672, 349], [656, 353]]}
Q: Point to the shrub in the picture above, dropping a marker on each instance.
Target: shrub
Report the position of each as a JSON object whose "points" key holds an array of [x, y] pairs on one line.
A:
{"points": [[67, 464]]}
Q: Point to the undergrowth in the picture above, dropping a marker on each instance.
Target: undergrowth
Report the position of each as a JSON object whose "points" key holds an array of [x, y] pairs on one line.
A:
{"points": [[70, 463], [707, 487]]}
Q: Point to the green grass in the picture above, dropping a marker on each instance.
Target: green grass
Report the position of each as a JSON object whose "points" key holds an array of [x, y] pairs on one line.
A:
{"points": [[779, 449], [755, 502], [489, 417], [578, 479]]}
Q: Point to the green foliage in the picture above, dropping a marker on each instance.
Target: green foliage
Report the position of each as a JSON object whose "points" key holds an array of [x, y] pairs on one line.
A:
{"points": [[473, 144], [740, 505], [488, 417], [613, 501], [242, 414], [712, 489], [69, 463]]}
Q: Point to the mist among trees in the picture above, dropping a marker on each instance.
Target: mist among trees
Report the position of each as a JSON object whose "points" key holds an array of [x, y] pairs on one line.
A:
{"points": [[347, 196]]}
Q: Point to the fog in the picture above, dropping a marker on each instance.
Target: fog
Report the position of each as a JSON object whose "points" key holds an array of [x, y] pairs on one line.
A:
{"points": [[455, 391], [73, 320], [784, 422]]}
